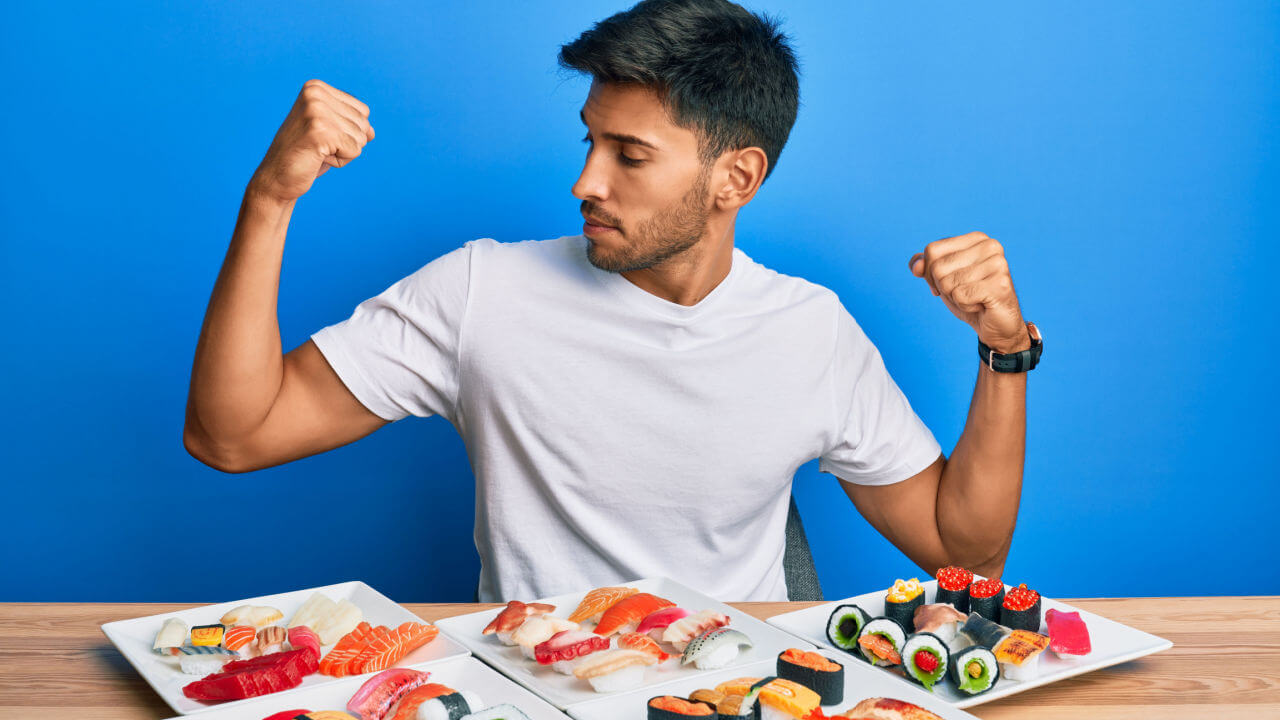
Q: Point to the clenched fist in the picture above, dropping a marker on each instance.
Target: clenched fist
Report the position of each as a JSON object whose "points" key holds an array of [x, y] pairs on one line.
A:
{"points": [[969, 272], [325, 128]]}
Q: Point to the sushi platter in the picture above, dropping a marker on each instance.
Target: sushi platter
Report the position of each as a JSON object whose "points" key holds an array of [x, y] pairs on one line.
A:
{"points": [[211, 657], [469, 676], [604, 642], [859, 683], [977, 639]]}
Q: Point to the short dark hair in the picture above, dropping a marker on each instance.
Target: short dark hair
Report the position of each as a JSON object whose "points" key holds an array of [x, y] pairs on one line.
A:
{"points": [[722, 71]]}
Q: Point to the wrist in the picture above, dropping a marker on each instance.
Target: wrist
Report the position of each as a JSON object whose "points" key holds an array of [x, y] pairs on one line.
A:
{"points": [[259, 196]]}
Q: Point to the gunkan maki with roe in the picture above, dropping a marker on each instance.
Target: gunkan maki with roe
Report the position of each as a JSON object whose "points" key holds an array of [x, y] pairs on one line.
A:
{"points": [[953, 587], [985, 597], [902, 600], [815, 671], [844, 625], [1021, 609], [669, 707]]}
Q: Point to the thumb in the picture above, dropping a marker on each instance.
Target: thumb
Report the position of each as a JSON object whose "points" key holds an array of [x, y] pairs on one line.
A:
{"points": [[916, 263]]}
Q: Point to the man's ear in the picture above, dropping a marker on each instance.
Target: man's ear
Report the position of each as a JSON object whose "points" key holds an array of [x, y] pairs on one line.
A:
{"points": [[743, 172]]}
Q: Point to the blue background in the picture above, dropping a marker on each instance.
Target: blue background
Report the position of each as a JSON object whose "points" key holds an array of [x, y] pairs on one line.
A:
{"points": [[1126, 153]]}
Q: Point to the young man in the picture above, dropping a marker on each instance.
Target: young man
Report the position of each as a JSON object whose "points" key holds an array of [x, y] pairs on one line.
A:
{"points": [[635, 400]]}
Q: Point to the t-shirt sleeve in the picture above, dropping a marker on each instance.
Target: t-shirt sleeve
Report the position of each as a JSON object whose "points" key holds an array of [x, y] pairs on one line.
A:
{"points": [[878, 438], [398, 352]]}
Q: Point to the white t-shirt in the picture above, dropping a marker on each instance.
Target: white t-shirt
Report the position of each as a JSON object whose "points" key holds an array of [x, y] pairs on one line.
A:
{"points": [[615, 435]]}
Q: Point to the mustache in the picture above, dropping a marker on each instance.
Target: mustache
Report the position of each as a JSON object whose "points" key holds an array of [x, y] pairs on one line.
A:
{"points": [[590, 208]]}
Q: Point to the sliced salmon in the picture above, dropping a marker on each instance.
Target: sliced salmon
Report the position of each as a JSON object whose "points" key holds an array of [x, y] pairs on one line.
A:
{"points": [[346, 649], [599, 600], [630, 611], [880, 646]]}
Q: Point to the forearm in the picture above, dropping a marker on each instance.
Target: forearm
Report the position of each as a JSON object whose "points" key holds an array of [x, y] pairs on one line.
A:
{"points": [[981, 484], [239, 360]]}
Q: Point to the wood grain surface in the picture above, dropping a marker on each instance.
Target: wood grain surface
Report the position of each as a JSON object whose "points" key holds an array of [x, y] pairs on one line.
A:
{"points": [[55, 663]]}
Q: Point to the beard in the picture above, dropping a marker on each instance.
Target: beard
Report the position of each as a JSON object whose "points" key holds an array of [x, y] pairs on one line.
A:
{"points": [[668, 233]]}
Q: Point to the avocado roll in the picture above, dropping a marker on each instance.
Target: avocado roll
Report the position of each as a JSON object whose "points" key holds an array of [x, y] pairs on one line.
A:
{"points": [[843, 626], [974, 670], [901, 601], [925, 657], [880, 642], [953, 587], [815, 671], [1021, 609], [985, 597]]}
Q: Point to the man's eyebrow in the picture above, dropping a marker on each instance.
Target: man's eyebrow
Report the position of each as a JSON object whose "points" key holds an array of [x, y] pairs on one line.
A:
{"points": [[621, 138]]}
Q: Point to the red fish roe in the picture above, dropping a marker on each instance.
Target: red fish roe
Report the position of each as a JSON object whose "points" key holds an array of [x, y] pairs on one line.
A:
{"points": [[954, 578], [926, 661], [986, 588], [1021, 598]]}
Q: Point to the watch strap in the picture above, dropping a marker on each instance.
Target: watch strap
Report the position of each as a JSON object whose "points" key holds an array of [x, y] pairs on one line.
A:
{"points": [[1014, 362]]}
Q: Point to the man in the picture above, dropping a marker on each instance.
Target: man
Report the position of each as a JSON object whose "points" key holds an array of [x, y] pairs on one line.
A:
{"points": [[634, 400]]}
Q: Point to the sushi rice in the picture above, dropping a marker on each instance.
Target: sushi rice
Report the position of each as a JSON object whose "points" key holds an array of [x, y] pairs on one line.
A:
{"points": [[453, 706], [889, 629]]}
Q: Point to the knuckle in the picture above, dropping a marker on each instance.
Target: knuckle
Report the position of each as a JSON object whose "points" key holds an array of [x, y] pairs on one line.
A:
{"points": [[993, 246]]}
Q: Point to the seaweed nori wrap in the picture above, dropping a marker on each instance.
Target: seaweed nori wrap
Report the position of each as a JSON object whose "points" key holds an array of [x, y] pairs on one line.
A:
{"points": [[974, 670], [953, 587], [985, 598], [890, 630], [983, 631], [844, 625], [663, 713], [815, 671], [1020, 609], [923, 647], [901, 601]]}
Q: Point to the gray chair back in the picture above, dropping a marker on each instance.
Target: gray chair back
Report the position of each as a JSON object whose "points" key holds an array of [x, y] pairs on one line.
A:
{"points": [[797, 560]]}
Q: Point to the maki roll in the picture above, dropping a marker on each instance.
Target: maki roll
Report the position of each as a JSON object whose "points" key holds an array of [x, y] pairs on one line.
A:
{"points": [[844, 625], [925, 659], [982, 631], [953, 587], [881, 640], [669, 707], [902, 600], [985, 597], [974, 670], [814, 671], [1021, 609]]}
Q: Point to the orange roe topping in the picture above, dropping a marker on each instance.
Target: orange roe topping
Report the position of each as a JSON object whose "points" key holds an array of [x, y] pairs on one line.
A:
{"points": [[811, 660], [680, 705]]}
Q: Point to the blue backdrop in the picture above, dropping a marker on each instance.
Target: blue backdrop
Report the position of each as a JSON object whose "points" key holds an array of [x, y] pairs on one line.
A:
{"points": [[1126, 153]]}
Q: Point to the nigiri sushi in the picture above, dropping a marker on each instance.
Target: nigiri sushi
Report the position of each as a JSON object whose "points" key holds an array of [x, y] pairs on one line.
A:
{"points": [[256, 615], [1019, 654], [658, 621], [1068, 634], [241, 640], [626, 615], [207, 635], [380, 693], [596, 602], [615, 670], [639, 641], [539, 629], [302, 636], [715, 648], [940, 619], [565, 650], [437, 702], [172, 635], [512, 617], [680, 632], [271, 638]]}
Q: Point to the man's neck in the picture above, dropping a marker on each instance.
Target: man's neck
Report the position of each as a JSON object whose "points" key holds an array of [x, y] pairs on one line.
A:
{"points": [[691, 276]]}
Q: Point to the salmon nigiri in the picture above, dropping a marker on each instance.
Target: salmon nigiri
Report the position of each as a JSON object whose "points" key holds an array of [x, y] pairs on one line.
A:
{"points": [[597, 601], [626, 615]]}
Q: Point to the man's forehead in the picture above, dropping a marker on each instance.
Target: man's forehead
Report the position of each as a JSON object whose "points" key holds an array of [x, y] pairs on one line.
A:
{"points": [[633, 111]]}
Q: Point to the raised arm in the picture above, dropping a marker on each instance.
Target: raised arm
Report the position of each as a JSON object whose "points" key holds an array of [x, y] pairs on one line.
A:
{"points": [[962, 511], [250, 406]]}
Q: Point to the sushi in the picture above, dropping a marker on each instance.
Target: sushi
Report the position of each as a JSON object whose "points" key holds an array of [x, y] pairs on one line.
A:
{"points": [[207, 635], [303, 637], [565, 650], [879, 707], [240, 679], [782, 699], [901, 601], [925, 658], [880, 642], [378, 694], [1021, 609], [202, 664], [985, 597], [255, 615], [639, 641], [512, 617], [681, 631], [816, 672], [953, 587], [596, 602], [974, 670], [625, 616], [172, 635], [241, 640], [1068, 634], [669, 707], [344, 618], [449, 705], [539, 629], [715, 648], [316, 608], [498, 712], [660, 620], [940, 619], [615, 670], [1019, 654], [271, 638], [730, 706], [844, 625], [982, 631]]}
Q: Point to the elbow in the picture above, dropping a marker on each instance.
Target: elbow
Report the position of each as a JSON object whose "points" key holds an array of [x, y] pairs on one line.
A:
{"points": [[216, 455]]}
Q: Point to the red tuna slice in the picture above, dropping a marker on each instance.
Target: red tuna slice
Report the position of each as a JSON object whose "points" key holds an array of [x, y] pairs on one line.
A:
{"points": [[567, 645], [379, 693], [662, 618], [1068, 634], [242, 679], [303, 637]]}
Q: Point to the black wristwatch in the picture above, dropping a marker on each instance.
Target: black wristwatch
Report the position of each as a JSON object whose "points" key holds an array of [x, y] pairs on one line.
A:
{"points": [[1014, 362]]}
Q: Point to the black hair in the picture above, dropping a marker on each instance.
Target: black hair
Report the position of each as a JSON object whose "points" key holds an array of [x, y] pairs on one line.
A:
{"points": [[722, 71]]}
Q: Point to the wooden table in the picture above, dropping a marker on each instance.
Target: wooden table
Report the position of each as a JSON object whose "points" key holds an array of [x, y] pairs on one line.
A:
{"points": [[55, 663]]}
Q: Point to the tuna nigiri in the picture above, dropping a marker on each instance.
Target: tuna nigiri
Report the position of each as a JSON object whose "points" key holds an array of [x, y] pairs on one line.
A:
{"points": [[599, 600], [661, 619], [626, 615]]}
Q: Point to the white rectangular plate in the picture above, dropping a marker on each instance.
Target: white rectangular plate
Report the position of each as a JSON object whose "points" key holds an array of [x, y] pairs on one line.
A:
{"points": [[134, 638], [861, 681], [1112, 643], [459, 673], [564, 691]]}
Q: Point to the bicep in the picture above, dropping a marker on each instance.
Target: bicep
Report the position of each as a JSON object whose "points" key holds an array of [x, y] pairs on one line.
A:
{"points": [[313, 412], [905, 514]]}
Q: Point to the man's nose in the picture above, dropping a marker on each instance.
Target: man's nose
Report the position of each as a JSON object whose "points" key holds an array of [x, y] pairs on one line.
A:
{"points": [[592, 183]]}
